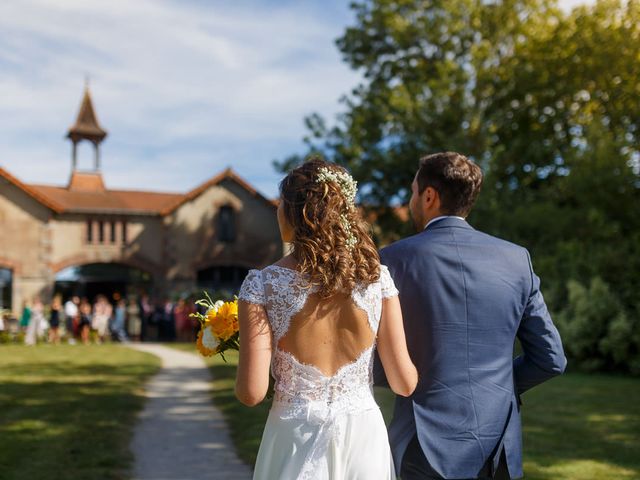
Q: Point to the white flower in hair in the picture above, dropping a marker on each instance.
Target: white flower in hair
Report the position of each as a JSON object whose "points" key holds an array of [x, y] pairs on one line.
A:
{"points": [[351, 238], [348, 186]]}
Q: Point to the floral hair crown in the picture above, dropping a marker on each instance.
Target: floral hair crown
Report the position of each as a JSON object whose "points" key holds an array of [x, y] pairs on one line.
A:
{"points": [[348, 186]]}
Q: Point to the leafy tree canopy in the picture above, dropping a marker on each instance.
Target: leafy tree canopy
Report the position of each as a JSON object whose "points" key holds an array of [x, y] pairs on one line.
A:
{"points": [[546, 101]]}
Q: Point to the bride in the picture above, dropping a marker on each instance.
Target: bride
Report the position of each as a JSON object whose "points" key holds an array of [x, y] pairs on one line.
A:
{"points": [[314, 319]]}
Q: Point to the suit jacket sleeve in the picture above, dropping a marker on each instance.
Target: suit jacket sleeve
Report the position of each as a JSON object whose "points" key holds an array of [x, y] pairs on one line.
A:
{"points": [[543, 355]]}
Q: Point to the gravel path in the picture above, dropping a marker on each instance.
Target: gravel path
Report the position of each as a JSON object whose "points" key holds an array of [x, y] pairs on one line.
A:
{"points": [[180, 435]]}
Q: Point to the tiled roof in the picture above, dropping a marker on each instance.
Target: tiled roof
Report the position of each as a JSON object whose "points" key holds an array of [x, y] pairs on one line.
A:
{"points": [[86, 182], [109, 201], [34, 193], [86, 193]]}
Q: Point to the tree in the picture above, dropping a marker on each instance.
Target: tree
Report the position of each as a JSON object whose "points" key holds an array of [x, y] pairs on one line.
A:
{"points": [[547, 102], [511, 83]]}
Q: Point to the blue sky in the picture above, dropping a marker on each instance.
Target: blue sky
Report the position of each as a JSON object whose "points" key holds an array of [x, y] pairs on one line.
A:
{"points": [[184, 88]]}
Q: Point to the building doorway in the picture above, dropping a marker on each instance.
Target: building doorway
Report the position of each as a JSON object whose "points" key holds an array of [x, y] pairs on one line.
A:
{"points": [[114, 280]]}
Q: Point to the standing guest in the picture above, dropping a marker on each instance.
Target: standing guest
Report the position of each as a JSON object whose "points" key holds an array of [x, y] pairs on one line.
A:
{"points": [[133, 319], [102, 311], [170, 318], [72, 317], [25, 318], [153, 319], [36, 326], [146, 311], [85, 320], [183, 321], [119, 321], [165, 320], [54, 320]]}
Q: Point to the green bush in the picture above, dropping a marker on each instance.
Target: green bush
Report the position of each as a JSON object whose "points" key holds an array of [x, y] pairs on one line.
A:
{"points": [[597, 332]]}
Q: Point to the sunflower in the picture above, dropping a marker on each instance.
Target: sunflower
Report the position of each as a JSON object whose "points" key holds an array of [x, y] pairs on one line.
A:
{"points": [[225, 324]]}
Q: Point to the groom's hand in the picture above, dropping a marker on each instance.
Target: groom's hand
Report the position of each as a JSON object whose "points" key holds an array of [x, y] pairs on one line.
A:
{"points": [[543, 355]]}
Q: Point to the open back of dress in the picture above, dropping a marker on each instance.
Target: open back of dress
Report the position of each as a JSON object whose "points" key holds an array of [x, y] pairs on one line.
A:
{"points": [[328, 333]]}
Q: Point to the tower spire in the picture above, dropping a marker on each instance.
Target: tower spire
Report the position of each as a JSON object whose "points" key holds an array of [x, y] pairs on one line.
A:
{"points": [[86, 127]]}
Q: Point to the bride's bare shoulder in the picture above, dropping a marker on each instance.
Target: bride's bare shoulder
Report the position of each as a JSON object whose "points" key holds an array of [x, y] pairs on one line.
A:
{"points": [[287, 262]]}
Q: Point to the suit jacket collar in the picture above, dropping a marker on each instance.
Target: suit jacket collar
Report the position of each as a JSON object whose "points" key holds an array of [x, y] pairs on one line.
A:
{"points": [[448, 222]]}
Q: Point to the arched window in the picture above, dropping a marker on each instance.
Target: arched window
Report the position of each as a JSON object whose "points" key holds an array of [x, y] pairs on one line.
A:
{"points": [[226, 224]]}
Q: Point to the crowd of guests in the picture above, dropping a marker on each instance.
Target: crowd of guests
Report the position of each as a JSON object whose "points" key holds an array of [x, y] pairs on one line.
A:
{"points": [[117, 318]]}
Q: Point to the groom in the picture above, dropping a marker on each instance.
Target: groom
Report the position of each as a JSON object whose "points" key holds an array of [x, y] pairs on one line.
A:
{"points": [[465, 298]]}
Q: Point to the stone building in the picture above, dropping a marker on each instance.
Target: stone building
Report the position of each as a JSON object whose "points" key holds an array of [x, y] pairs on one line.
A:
{"points": [[85, 238]]}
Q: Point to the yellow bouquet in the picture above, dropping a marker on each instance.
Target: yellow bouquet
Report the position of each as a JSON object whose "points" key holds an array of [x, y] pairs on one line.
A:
{"points": [[219, 329]]}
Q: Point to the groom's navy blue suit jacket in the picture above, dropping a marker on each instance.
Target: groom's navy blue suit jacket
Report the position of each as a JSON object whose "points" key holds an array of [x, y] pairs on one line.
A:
{"points": [[465, 297]]}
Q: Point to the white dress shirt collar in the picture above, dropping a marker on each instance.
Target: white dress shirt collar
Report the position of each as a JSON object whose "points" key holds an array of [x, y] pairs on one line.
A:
{"points": [[440, 218]]}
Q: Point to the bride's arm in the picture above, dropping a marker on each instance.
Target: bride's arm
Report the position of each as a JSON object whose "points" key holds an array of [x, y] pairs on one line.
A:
{"points": [[400, 371], [252, 381]]}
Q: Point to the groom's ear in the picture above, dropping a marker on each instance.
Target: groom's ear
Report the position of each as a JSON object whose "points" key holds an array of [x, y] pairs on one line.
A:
{"points": [[431, 199]]}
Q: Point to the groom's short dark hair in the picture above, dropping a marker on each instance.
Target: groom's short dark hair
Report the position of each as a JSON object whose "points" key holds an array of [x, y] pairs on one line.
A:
{"points": [[456, 179]]}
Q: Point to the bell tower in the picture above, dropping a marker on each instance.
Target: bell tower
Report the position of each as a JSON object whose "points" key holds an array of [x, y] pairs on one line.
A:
{"points": [[86, 128]]}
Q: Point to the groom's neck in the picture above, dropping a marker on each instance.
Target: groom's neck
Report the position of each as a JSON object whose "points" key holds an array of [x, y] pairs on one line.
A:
{"points": [[428, 216], [441, 215]]}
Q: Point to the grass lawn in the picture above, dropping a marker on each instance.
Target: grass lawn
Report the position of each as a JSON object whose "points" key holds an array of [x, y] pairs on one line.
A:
{"points": [[576, 427], [583, 427], [67, 411]]}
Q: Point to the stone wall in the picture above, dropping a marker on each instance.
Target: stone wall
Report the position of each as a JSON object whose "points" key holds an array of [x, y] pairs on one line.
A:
{"points": [[192, 241], [25, 244]]}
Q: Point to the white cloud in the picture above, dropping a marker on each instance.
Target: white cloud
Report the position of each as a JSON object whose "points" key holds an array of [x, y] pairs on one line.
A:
{"points": [[173, 82]]}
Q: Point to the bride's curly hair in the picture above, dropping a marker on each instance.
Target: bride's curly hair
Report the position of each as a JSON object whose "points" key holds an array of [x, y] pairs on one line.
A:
{"points": [[331, 242]]}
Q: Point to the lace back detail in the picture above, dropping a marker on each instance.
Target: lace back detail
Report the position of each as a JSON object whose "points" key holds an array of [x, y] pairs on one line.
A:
{"points": [[300, 383]]}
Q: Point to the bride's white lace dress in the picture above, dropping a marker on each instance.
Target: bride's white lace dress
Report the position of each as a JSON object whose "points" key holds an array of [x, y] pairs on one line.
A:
{"points": [[319, 426]]}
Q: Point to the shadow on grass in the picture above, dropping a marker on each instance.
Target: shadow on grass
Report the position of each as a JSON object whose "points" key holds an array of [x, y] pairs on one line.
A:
{"points": [[582, 426], [67, 413]]}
